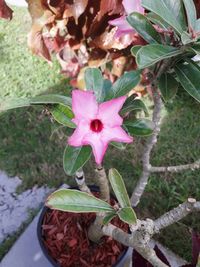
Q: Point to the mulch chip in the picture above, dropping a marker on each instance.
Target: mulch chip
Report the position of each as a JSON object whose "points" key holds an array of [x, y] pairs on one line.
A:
{"points": [[65, 237]]}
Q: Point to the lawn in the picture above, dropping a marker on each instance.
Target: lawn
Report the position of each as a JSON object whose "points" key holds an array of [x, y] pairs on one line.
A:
{"points": [[32, 149]]}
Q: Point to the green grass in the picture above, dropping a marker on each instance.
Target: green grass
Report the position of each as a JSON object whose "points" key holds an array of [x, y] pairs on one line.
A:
{"points": [[22, 74], [28, 148]]}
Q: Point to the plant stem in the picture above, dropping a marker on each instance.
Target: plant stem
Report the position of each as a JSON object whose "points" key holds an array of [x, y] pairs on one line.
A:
{"points": [[80, 179], [141, 185], [95, 229], [102, 181]]}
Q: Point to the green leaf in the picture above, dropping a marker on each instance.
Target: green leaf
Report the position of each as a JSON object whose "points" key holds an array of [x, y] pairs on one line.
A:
{"points": [[94, 81], [140, 127], [125, 83], [120, 146], [107, 90], [63, 115], [170, 11], [195, 48], [135, 49], [75, 157], [134, 105], [191, 13], [109, 217], [151, 54], [13, 103], [51, 99], [119, 188], [197, 25], [144, 27], [76, 201], [189, 77], [168, 86], [186, 38], [127, 215], [157, 20]]}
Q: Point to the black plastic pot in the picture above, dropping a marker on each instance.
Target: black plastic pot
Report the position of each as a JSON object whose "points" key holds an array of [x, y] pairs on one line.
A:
{"points": [[93, 188]]}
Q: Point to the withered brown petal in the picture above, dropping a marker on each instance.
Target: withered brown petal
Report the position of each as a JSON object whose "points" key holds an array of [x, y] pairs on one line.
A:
{"points": [[5, 11]]}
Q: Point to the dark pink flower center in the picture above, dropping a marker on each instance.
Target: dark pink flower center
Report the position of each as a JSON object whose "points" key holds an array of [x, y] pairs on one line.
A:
{"points": [[96, 126]]}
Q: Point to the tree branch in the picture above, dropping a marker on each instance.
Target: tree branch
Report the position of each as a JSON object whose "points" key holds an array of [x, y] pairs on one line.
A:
{"points": [[136, 241], [141, 185], [142, 233], [179, 168], [176, 214]]}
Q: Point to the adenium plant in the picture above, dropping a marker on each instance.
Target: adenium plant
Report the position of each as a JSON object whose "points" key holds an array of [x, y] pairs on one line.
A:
{"points": [[106, 112]]}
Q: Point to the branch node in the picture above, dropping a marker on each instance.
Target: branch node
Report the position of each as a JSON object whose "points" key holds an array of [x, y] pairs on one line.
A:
{"points": [[192, 200]]}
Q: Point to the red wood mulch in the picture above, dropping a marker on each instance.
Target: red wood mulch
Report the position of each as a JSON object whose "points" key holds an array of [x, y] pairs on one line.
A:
{"points": [[65, 236]]}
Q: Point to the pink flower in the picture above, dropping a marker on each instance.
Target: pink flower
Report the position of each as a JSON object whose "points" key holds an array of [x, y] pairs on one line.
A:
{"points": [[97, 124], [122, 25]]}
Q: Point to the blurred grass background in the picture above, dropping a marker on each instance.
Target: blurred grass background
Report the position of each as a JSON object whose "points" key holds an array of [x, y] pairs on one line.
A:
{"points": [[29, 149]]}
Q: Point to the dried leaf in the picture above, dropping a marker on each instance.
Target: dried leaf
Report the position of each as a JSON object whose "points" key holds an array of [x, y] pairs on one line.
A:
{"points": [[41, 16], [5, 11]]}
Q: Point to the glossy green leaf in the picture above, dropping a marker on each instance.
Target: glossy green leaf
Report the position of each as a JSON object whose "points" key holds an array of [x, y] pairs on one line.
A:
{"points": [[197, 25], [107, 92], [140, 127], [186, 38], [168, 86], [63, 115], [195, 48], [75, 157], [135, 49], [189, 77], [157, 20], [76, 201], [125, 84], [94, 82], [119, 188], [144, 27], [170, 11], [51, 99], [13, 103], [132, 104], [151, 54], [127, 215], [108, 218], [191, 13]]}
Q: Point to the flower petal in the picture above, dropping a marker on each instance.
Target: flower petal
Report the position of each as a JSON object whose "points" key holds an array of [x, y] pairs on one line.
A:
{"points": [[98, 146], [116, 134], [84, 105], [122, 25], [108, 112], [82, 129], [133, 6]]}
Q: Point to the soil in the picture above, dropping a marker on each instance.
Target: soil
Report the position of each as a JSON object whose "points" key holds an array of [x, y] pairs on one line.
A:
{"points": [[65, 237]]}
